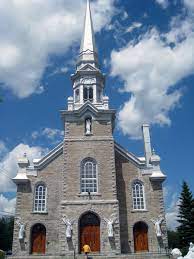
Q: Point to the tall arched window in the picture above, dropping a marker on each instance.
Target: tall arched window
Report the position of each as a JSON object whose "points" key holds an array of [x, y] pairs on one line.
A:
{"points": [[40, 198], [138, 196], [89, 181], [77, 95], [88, 93]]}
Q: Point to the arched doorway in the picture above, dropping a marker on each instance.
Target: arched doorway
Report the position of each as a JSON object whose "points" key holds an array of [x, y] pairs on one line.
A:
{"points": [[90, 232], [140, 233], [38, 239]]}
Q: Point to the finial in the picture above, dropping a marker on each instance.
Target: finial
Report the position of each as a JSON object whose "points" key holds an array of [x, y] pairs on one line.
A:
{"points": [[153, 152]]}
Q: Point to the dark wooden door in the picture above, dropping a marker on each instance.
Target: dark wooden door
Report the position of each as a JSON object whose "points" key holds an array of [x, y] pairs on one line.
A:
{"points": [[38, 239], [90, 232], [141, 237]]}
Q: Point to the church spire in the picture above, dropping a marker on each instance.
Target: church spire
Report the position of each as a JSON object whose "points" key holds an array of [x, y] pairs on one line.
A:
{"points": [[88, 52], [88, 81]]}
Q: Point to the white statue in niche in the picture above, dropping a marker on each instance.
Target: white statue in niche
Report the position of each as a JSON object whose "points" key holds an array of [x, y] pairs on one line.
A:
{"points": [[110, 223], [176, 253], [88, 126], [21, 229], [69, 226], [157, 225]]}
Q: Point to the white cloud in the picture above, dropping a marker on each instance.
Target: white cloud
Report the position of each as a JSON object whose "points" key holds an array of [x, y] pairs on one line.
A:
{"points": [[172, 208], [8, 164], [135, 25], [7, 206], [54, 135], [189, 4], [59, 70], [3, 148], [149, 68], [32, 30], [163, 3]]}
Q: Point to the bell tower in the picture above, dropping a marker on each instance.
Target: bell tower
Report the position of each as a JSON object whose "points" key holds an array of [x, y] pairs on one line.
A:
{"points": [[89, 177], [88, 80]]}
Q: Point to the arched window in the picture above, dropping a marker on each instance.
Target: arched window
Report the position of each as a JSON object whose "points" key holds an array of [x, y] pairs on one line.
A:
{"points": [[77, 96], [40, 198], [138, 196], [89, 181], [88, 94]]}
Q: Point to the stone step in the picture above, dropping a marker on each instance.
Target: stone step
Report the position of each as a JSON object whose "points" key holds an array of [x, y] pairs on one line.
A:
{"points": [[129, 256]]}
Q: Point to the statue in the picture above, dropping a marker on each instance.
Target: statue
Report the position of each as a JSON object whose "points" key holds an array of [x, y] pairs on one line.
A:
{"points": [[157, 225], [88, 126], [21, 226], [110, 223], [69, 228], [190, 254], [176, 253]]}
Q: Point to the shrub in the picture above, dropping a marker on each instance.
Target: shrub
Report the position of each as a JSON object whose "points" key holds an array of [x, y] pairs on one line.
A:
{"points": [[2, 254]]}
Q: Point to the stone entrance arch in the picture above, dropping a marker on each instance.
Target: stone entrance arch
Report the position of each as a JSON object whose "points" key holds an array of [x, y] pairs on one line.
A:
{"points": [[89, 232], [140, 233], [38, 239]]}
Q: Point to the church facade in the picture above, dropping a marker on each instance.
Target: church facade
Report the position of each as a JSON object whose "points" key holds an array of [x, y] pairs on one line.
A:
{"points": [[89, 189]]}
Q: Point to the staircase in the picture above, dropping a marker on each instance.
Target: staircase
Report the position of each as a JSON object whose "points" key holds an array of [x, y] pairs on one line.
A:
{"points": [[129, 256]]}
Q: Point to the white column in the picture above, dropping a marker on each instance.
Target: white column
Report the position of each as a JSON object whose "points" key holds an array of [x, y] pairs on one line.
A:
{"points": [[147, 143]]}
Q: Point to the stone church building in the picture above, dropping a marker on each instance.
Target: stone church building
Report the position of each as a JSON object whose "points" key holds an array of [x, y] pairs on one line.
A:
{"points": [[89, 189]]}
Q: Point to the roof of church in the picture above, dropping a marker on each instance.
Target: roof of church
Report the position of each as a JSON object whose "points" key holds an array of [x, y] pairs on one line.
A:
{"points": [[58, 150]]}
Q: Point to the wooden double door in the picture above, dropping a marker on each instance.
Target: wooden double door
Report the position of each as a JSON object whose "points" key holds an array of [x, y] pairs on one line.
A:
{"points": [[38, 239], [90, 232], [140, 232]]}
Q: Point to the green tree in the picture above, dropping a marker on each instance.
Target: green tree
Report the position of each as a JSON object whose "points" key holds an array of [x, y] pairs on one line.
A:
{"points": [[6, 233], [185, 230], [173, 239], [192, 221]]}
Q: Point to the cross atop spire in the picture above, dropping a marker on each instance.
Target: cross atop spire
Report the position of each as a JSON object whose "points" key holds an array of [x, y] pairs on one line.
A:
{"points": [[88, 52]]}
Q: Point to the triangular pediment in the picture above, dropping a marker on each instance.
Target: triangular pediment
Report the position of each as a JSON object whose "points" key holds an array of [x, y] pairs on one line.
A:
{"points": [[88, 107], [88, 67]]}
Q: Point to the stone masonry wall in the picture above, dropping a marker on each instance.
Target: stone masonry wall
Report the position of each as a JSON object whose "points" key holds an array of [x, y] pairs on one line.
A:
{"points": [[127, 172], [99, 146], [51, 176]]}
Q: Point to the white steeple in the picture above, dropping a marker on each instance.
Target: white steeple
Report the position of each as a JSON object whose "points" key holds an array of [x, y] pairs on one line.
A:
{"points": [[88, 81], [88, 52]]}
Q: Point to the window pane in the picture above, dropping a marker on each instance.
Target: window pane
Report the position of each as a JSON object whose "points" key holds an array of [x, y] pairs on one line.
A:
{"points": [[40, 199], [85, 94], [91, 94], [88, 176], [138, 196]]}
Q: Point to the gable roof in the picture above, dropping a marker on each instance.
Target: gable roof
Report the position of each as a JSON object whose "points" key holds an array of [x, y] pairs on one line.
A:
{"points": [[45, 160], [58, 150], [140, 162], [87, 106]]}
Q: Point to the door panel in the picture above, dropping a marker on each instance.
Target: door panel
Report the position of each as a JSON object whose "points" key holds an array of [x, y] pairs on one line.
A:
{"points": [[140, 237], [90, 232], [38, 239]]}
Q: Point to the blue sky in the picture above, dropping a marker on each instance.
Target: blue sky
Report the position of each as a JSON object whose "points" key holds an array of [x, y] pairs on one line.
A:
{"points": [[146, 49]]}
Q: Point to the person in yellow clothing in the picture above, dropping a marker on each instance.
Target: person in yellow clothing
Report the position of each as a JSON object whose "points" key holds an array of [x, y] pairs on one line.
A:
{"points": [[87, 250]]}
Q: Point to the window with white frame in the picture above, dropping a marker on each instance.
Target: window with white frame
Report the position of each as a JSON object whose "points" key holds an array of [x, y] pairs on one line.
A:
{"points": [[138, 196], [88, 93], [89, 181], [40, 198]]}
